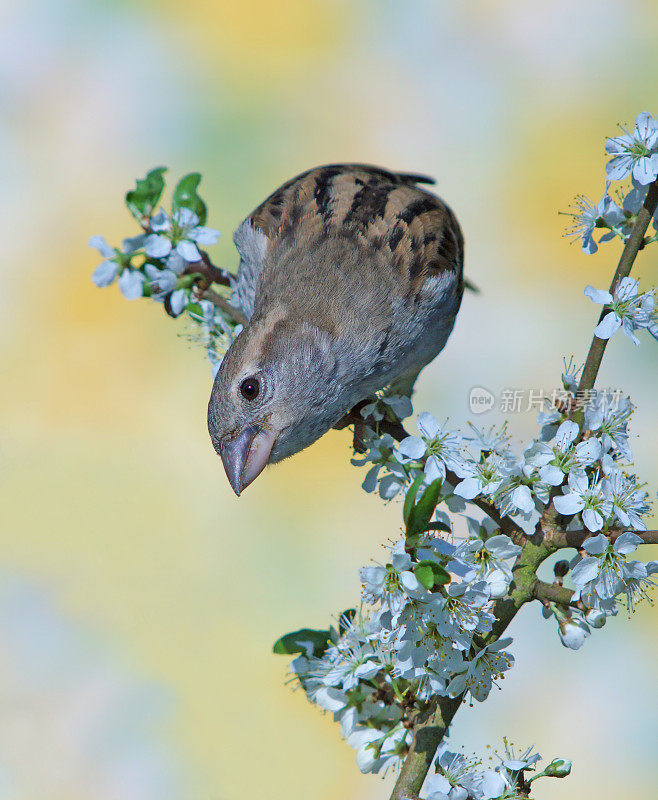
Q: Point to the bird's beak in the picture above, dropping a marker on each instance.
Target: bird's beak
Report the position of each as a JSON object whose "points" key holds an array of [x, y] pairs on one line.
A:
{"points": [[245, 456]]}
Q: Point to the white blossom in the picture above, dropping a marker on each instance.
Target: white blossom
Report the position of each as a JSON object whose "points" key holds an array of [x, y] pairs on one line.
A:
{"points": [[629, 310], [441, 449], [486, 559], [605, 573], [585, 497], [481, 478], [629, 503], [554, 461], [180, 233], [480, 673], [635, 152], [588, 217]]}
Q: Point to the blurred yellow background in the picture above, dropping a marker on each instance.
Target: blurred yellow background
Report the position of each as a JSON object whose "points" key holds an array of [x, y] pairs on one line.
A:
{"points": [[139, 598]]}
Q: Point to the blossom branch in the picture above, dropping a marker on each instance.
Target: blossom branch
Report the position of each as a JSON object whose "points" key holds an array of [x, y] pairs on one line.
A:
{"points": [[426, 741], [560, 539], [634, 244], [235, 314], [204, 267], [397, 431], [212, 273], [552, 593], [429, 736]]}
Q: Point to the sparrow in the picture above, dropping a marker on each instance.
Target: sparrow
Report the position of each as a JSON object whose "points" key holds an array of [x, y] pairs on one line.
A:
{"points": [[350, 277]]}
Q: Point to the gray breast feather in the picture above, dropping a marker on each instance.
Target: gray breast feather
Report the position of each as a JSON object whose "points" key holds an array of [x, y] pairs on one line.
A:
{"points": [[420, 333], [440, 294], [251, 245]]}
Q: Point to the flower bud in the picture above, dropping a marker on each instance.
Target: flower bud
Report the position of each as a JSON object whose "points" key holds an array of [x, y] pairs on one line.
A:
{"points": [[573, 634], [595, 617], [560, 568], [558, 768]]}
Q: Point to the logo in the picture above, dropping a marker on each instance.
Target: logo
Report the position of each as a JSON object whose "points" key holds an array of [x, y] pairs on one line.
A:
{"points": [[480, 400]]}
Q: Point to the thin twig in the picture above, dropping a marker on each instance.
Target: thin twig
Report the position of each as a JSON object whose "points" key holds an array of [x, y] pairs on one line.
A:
{"points": [[225, 306], [634, 244], [211, 272]]}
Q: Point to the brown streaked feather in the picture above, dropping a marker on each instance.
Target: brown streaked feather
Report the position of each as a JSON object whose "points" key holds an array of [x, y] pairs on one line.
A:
{"points": [[381, 209]]}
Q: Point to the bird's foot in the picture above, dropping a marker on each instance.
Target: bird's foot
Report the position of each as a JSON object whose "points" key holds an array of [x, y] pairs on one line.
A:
{"points": [[353, 417]]}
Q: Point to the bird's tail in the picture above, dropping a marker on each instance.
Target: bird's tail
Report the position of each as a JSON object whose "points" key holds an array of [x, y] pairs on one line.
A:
{"points": [[411, 177]]}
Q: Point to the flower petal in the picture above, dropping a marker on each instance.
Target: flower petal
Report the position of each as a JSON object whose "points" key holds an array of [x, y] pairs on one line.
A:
{"points": [[592, 519], [492, 785], [522, 499], [599, 296], [568, 503], [566, 433], [157, 246], [645, 169], [186, 218], [552, 475], [105, 273], [98, 243], [585, 570], [627, 542], [618, 167], [434, 469], [178, 301], [468, 488], [412, 447], [428, 425], [595, 545], [588, 451], [131, 284], [188, 250], [133, 243], [160, 221], [626, 288], [203, 236], [628, 327], [608, 326]]}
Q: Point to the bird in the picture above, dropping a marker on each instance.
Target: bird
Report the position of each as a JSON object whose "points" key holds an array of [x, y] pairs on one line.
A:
{"points": [[350, 277]]}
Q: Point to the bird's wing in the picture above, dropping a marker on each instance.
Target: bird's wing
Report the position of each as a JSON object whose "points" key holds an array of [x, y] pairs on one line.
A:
{"points": [[384, 210]]}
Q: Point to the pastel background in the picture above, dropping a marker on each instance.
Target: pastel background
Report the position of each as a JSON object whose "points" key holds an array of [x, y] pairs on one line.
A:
{"points": [[138, 597]]}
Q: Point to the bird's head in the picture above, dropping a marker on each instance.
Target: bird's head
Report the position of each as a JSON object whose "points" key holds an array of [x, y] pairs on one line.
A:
{"points": [[277, 390]]}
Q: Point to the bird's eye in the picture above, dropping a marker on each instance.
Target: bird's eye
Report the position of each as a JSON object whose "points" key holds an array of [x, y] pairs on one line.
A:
{"points": [[249, 388]]}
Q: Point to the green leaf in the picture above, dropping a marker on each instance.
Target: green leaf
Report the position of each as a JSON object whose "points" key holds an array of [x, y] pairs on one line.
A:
{"points": [[424, 574], [412, 541], [185, 196], [306, 640], [441, 574], [438, 526], [410, 498], [195, 311], [421, 513], [431, 574], [147, 192]]}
